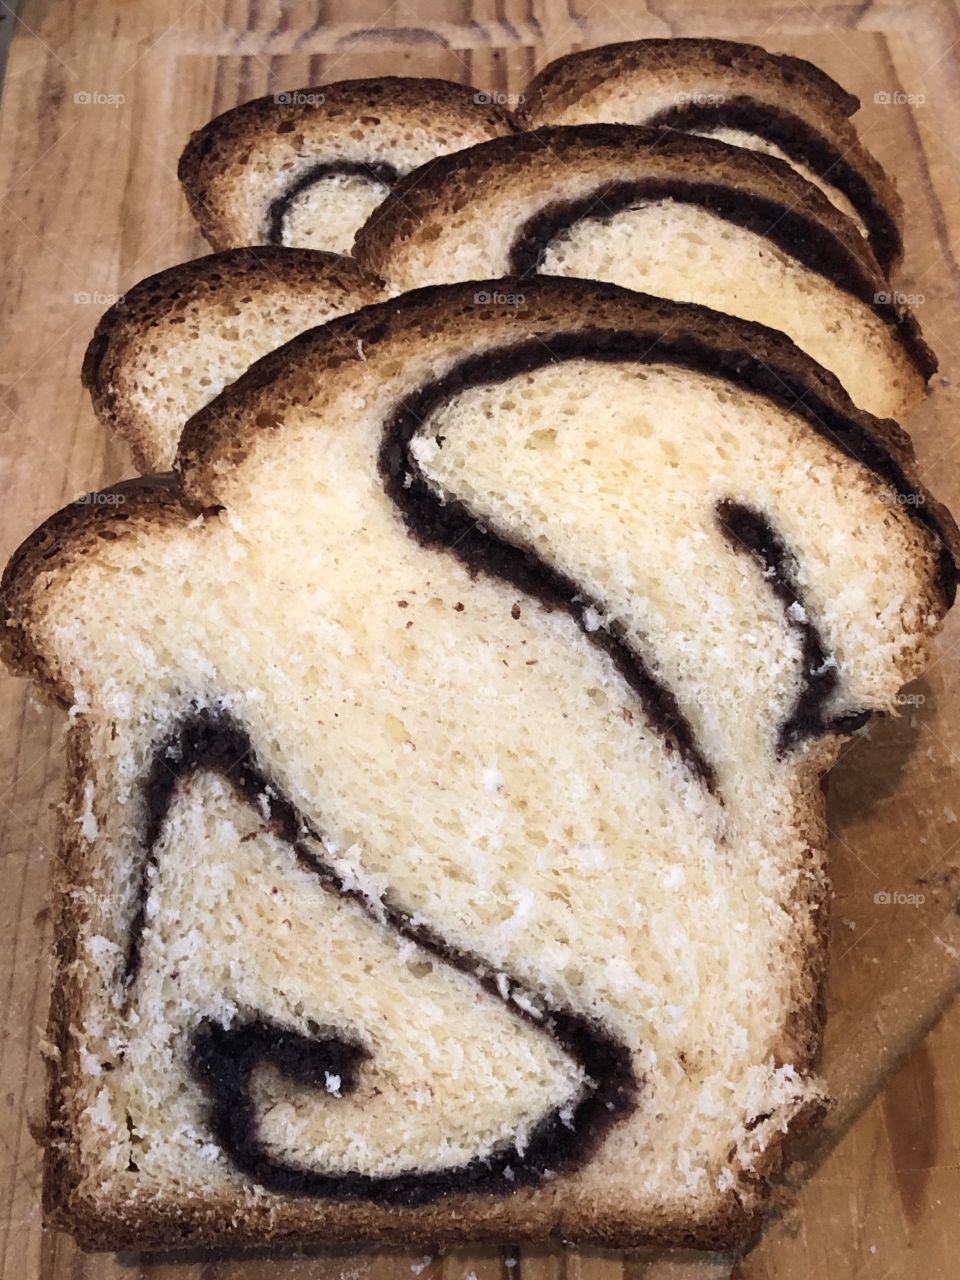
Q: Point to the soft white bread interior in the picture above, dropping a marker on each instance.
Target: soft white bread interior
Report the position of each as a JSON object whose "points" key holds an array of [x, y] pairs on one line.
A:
{"points": [[175, 340], [738, 93], [444, 848], [308, 167], [663, 213]]}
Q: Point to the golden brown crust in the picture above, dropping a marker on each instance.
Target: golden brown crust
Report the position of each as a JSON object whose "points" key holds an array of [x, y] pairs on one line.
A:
{"points": [[731, 71], [423, 323], [231, 276], [804, 1028], [553, 151], [318, 114], [183, 1225], [66, 996]]}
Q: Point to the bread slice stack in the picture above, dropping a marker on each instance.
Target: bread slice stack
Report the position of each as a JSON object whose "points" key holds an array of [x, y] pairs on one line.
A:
{"points": [[738, 93], [664, 213], [443, 851]]}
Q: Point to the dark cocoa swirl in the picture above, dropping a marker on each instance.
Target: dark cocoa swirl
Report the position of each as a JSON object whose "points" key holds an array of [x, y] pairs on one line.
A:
{"points": [[804, 145], [453, 525], [747, 530], [375, 171], [798, 235], [223, 1058]]}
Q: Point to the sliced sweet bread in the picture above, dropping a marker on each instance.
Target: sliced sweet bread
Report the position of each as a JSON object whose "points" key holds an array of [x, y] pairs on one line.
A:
{"points": [[175, 340], [308, 167], [741, 94], [443, 849], [663, 213]]}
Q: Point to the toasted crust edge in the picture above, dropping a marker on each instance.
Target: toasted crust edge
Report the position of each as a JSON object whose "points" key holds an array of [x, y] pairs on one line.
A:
{"points": [[224, 274], [416, 194], [215, 434], [567, 74], [240, 126]]}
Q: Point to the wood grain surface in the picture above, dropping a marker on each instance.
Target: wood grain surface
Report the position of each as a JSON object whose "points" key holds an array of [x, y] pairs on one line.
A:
{"points": [[99, 99]]}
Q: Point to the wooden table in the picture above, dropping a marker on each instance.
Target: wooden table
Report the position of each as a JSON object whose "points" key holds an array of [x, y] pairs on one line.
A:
{"points": [[98, 101]]}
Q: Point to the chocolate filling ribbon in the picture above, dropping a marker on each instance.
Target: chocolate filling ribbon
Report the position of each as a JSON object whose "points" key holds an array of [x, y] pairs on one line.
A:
{"points": [[374, 172], [804, 145], [451, 524], [748, 530], [224, 1058], [798, 235]]}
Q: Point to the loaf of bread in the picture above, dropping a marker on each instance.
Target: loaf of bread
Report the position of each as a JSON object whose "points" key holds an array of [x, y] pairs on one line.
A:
{"points": [[665, 213], [308, 167], [741, 94], [443, 849], [175, 340]]}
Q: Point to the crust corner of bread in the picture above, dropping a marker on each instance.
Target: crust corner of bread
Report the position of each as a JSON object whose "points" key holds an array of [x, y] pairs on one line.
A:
{"points": [[60, 542]]}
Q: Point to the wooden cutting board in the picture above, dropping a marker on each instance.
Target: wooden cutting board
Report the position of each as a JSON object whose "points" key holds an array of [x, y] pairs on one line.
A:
{"points": [[99, 99]]}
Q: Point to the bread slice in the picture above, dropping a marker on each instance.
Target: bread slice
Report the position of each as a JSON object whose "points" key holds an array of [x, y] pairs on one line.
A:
{"points": [[443, 849], [308, 167], [738, 93], [174, 341], [664, 213]]}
